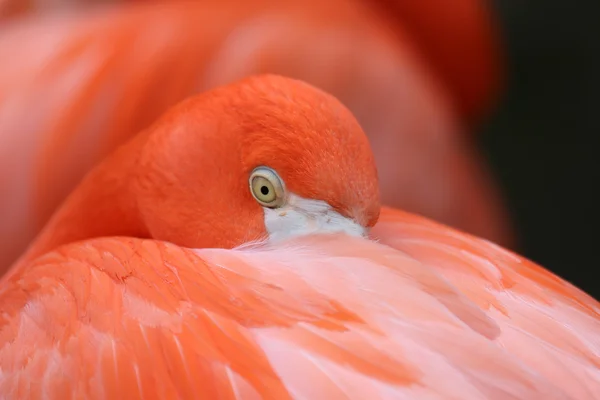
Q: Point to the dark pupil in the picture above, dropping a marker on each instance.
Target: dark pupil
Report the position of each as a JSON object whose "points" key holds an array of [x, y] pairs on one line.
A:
{"points": [[264, 190]]}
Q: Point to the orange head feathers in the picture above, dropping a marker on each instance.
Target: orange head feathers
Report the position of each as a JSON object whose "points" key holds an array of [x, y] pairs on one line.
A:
{"points": [[267, 157]]}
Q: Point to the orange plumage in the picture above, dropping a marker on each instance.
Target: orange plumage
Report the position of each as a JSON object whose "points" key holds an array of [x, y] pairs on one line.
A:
{"points": [[96, 76], [422, 312]]}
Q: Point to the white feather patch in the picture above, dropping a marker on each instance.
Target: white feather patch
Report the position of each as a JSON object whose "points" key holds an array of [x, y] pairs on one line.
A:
{"points": [[302, 216]]}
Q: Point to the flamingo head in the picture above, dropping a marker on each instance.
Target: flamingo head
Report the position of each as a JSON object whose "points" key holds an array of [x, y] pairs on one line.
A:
{"points": [[265, 158]]}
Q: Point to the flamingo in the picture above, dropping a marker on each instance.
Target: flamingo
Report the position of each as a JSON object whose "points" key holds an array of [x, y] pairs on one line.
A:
{"points": [[236, 249], [96, 76]]}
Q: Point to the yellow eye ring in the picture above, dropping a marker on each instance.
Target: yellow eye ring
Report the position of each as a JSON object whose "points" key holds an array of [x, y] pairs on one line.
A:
{"points": [[266, 187]]}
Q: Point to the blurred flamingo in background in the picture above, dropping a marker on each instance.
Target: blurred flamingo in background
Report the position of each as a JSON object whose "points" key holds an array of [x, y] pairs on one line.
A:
{"points": [[241, 272], [77, 83], [457, 40]]}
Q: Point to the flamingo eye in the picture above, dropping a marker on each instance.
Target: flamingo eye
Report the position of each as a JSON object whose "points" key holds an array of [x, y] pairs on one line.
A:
{"points": [[266, 187]]}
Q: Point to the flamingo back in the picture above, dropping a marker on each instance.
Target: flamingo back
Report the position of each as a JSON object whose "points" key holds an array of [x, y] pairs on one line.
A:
{"points": [[423, 312]]}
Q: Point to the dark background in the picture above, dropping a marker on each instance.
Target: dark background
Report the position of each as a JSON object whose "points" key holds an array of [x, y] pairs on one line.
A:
{"points": [[541, 140]]}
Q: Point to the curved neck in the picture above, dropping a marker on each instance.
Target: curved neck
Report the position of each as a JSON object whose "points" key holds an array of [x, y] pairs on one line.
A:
{"points": [[102, 205]]}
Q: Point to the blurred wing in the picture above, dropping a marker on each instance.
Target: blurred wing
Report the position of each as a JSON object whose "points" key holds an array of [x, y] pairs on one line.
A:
{"points": [[321, 318], [459, 40]]}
